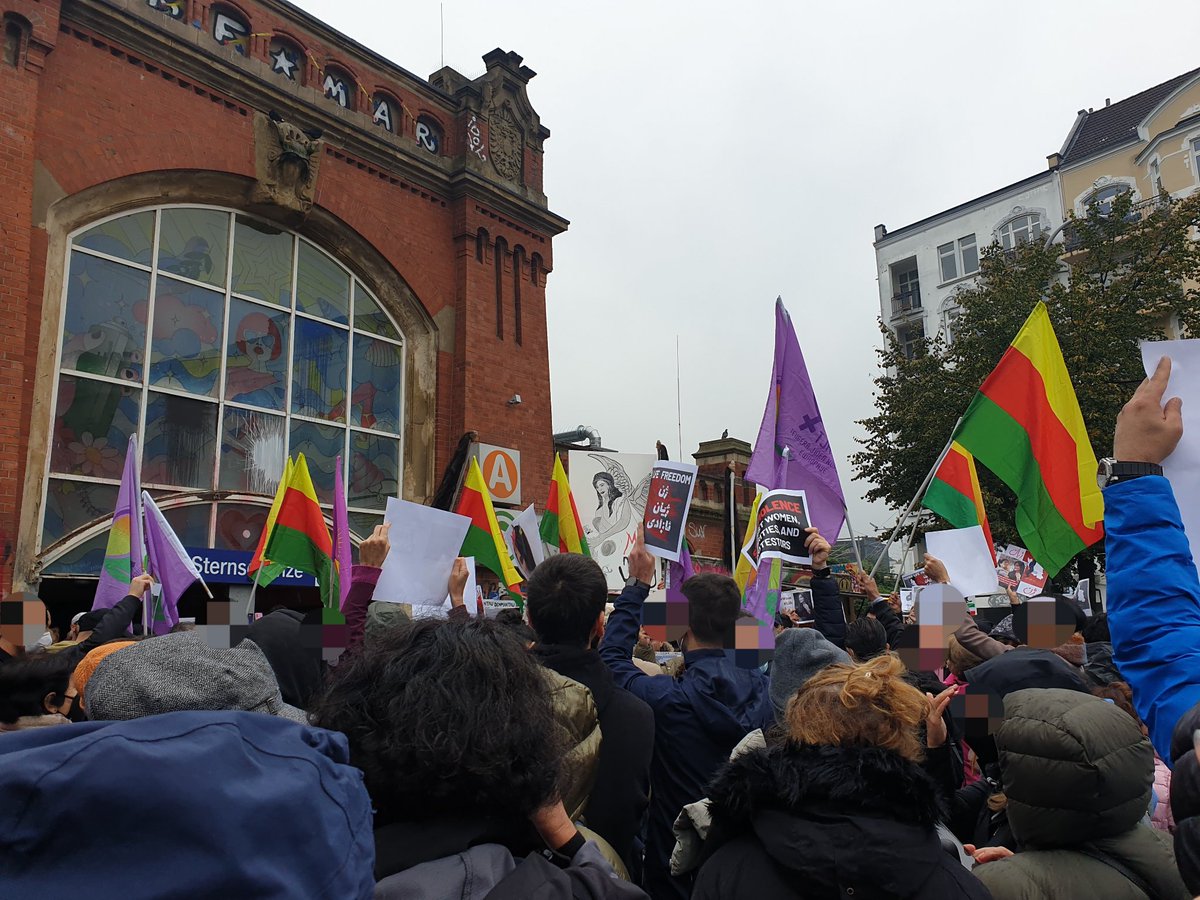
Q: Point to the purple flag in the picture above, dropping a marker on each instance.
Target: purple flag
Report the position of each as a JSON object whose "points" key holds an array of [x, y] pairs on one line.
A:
{"points": [[792, 450], [169, 563], [126, 550], [678, 573], [341, 534]]}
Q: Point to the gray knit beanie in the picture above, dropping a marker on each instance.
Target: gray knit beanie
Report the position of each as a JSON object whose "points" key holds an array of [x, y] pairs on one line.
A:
{"points": [[800, 653], [178, 672]]}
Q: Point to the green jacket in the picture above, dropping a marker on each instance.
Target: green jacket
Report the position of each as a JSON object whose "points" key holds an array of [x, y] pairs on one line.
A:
{"points": [[1077, 773]]}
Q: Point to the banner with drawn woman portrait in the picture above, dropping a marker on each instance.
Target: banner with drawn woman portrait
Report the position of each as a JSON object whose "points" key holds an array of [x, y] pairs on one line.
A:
{"points": [[610, 491]]}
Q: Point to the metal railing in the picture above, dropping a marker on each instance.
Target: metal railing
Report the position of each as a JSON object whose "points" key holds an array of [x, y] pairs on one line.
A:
{"points": [[906, 302]]}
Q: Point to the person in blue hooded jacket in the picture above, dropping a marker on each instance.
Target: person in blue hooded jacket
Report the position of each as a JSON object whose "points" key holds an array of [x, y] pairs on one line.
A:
{"points": [[1154, 598], [700, 716]]}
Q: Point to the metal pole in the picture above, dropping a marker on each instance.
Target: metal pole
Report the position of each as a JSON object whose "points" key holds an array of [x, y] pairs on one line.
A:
{"points": [[853, 539], [678, 400], [916, 498]]}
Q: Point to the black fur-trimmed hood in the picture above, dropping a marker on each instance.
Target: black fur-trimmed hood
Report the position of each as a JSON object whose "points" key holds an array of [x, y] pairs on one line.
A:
{"points": [[832, 817], [793, 778]]}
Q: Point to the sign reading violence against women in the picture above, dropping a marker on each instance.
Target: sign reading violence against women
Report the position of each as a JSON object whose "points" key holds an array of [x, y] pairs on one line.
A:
{"points": [[782, 528], [667, 505]]}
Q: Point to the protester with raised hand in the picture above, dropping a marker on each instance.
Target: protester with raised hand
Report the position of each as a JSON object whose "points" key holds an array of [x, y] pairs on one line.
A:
{"points": [[699, 716], [565, 599], [454, 730], [829, 616], [883, 609], [840, 808]]}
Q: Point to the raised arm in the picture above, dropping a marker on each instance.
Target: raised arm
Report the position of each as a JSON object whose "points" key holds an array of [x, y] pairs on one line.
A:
{"points": [[621, 631], [1153, 588], [363, 577]]}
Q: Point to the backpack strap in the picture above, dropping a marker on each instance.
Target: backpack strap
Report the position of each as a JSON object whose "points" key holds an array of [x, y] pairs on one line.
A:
{"points": [[1112, 863]]}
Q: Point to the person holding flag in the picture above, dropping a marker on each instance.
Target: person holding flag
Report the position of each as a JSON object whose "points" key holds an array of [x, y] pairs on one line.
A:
{"points": [[300, 537]]}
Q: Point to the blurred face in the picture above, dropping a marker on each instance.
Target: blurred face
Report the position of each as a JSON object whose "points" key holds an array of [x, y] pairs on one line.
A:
{"points": [[23, 619]]}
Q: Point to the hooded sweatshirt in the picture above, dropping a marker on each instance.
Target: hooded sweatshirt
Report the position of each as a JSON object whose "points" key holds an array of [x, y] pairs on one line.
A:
{"points": [[698, 719]]}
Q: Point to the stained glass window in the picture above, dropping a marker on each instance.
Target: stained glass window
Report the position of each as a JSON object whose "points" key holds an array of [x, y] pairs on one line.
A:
{"points": [[224, 343]]}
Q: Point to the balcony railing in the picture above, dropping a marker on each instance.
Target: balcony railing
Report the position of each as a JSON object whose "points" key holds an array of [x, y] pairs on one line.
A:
{"points": [[906, 302]]}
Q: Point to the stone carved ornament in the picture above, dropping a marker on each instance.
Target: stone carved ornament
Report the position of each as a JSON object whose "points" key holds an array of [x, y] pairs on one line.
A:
{"points": [[506, 142], [287, 159]]}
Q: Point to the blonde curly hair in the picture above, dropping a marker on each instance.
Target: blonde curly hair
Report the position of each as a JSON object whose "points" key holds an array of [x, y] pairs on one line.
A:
{"points": [[865, 705]]}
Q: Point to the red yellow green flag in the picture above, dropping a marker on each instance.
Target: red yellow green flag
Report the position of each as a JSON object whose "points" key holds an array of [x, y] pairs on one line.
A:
{"points": [[1025, 425], [954, 492], [483, 540], [270, 570], [300, 537], [561, 524]]}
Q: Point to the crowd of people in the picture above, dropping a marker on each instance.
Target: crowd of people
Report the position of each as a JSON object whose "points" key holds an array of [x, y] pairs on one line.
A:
{"points": [[548, 755]]}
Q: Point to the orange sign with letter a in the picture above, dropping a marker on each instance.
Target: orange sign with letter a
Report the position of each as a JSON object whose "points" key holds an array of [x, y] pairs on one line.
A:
{"points": [[501, 468]]}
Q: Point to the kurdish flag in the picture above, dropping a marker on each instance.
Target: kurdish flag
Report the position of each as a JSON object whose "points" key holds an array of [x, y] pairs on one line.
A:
{"points": [[300, 537], [561, 525], [270, 570], [483, 540], [1025, 425], [954, 492]]}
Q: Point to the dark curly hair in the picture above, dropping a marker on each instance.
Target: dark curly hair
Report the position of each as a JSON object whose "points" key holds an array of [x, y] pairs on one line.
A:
{"points": [[447, 715]]}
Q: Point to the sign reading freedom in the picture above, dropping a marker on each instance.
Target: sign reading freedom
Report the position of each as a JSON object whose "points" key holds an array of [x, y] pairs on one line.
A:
{"points": [[782, 528]]}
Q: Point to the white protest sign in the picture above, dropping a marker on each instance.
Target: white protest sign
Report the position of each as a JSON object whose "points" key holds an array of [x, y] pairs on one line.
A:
{"points": [[442, 610], [425, 542], [967, 557], [524, 543], [1182, 467]]}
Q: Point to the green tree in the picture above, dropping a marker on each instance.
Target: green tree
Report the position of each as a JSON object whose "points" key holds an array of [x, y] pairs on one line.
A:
{"points": [[1123, 275]]}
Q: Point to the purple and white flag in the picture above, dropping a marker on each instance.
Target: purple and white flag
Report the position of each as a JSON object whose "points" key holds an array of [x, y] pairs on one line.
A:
{"points": [[792, 450], [125, 552], [169, 563]]}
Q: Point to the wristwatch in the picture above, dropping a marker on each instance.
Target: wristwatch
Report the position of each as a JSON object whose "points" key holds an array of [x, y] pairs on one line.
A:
{"points": [[634, 582], [1111, 471]]}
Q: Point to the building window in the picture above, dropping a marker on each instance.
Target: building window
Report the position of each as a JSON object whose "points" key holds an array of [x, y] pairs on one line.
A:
{"points": [[429, 135], [1155, 177], [958, 258], [1196, 157], [225, 344], [906, 287], [230, 29], [911, 338], [286, 59], [1020, 230], [338, 86], [1102, 199], [385, 111]]}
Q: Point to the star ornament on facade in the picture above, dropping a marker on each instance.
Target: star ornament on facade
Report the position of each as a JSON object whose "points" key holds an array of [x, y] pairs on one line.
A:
{"points": [[283, 64]]}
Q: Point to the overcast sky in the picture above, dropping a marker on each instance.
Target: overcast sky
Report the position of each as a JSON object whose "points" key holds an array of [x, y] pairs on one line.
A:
{"points": [[712, 156]]}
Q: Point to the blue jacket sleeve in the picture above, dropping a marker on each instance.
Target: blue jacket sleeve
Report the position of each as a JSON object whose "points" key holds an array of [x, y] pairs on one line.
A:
{"points": [[620, 636], [1153, 603], [828, 611]]}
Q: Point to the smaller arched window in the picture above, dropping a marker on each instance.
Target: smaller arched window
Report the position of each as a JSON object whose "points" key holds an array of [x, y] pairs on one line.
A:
{"points": [[339, 86], [535, 266], [1020, 230], [15, 29], [286, 59], [429, 135], [230, 29], [1102, 199], [481, 242], [385, 111]]}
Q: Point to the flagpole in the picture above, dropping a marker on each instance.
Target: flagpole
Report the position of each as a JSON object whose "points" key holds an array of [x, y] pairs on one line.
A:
{"points": [[916, 498], [253, 588], [853, 539]]}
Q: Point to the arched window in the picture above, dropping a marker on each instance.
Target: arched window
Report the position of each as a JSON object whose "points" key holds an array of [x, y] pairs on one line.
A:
{"points": [[339, 86], [518, 265], [385, 111], [286, 59], [1020, 230], [15, 30], [535, 266], [481, 242], [230, 28], [501, 250], [225, 344], [429, 135], [1103, 198]]}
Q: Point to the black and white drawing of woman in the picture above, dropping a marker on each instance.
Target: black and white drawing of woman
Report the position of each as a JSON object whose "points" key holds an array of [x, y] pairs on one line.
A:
{"points": [[612, 509]]}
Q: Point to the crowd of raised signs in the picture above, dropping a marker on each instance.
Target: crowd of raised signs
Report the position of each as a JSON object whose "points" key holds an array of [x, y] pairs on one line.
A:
{"points": [[548, 755]]}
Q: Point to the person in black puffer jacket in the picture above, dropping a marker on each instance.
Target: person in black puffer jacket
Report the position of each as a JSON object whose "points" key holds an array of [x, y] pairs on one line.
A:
{"points": [[841, 808]]}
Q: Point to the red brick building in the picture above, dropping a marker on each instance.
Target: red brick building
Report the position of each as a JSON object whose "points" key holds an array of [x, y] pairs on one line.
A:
{"points": [[233, 232]]}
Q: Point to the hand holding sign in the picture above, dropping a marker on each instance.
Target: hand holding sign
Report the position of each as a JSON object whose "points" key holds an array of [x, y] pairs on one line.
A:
{"points": [[641, 563], [667, 505], [818, 548]]}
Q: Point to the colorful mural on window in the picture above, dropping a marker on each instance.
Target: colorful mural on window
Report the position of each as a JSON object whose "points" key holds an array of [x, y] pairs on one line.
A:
{"points": [[225, 344]]}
